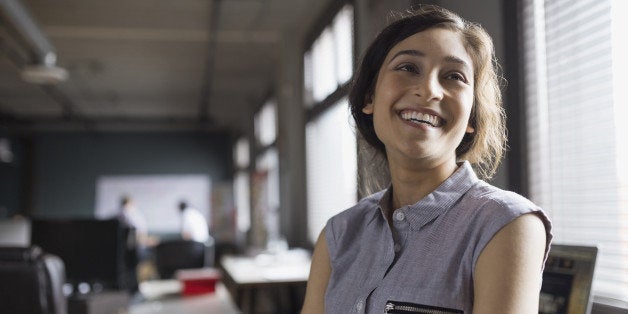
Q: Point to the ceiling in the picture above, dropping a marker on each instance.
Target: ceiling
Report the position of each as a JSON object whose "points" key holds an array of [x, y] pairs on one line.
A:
{"points": [[147, 64]]}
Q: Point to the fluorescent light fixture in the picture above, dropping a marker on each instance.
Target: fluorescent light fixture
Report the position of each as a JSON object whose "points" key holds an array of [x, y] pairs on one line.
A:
{"points": [[44, 74]]}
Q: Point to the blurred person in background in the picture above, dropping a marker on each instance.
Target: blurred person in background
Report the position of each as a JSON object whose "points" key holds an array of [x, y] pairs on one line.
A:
{"points": [[193, 223]]}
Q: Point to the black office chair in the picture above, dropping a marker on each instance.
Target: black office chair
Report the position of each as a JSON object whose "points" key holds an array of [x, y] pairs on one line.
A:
{"points": [[31, 281], [173, 255]]}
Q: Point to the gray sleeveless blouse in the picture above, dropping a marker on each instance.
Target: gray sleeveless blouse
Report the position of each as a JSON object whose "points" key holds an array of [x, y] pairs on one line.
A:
{"points": [[426, 262]]}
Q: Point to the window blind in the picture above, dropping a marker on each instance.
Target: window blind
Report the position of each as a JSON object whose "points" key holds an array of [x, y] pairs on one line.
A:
{"points": [[329, 62], [574, 131], [331, 166], [331, 149]]}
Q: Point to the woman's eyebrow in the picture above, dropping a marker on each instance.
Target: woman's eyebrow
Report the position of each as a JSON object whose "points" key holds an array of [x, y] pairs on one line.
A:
{"points": [[418, 53], [454, 59], [410, 52]]}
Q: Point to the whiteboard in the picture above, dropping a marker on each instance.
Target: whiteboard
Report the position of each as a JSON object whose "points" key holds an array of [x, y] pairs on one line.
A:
{"points": [[156, 197]]}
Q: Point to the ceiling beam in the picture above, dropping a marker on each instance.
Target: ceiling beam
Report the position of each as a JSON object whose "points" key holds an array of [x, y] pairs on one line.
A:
{"points": [[110, 124], [162, 34]]}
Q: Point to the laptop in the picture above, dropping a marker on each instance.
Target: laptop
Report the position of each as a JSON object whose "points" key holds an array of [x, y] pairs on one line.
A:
{"points": [[567, 280]]}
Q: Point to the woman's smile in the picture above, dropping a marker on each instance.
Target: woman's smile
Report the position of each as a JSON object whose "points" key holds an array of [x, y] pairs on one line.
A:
{"points": [[417, 118]]}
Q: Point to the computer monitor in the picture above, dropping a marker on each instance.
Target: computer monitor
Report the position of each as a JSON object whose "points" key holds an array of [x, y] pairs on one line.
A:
{"points": [[15, 232], [93, 251], [567, 280]]}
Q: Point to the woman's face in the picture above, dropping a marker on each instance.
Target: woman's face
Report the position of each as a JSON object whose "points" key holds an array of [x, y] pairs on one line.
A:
{"points": [[423, 98]]}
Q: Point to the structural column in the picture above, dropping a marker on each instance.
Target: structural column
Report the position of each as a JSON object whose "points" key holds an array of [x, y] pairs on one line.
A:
{"points": [[291, 142]]}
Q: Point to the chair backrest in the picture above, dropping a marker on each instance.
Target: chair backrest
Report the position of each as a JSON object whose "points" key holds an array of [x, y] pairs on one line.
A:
{"points": [[567, 280], [173, 255], [31, 281]]}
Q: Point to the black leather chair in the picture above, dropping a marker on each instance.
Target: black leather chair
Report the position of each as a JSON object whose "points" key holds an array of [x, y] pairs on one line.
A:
{"points": [[173, 255], [31, 281]]}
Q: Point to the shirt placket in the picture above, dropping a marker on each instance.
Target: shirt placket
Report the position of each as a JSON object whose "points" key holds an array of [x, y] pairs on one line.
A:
{"points": [[400, 230], [386, 262], [398, 236]]}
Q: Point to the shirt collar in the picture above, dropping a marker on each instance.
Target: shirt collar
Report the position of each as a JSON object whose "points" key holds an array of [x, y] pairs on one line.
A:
{"points": [[437, 202]]}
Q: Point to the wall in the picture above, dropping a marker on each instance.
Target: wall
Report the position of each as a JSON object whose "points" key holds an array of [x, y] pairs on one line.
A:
{"points": [[66, 165], [13, 174]]}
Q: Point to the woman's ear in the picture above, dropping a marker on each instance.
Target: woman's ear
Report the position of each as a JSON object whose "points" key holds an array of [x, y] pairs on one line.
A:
{"points": [[368, 108], [472, 119], [470, 129]]}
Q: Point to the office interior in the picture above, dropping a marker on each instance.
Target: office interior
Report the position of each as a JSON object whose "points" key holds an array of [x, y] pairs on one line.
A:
{"points": [[230, 92]]}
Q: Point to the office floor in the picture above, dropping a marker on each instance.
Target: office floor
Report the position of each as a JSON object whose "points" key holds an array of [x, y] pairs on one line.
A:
{"points": [[146, 270]]}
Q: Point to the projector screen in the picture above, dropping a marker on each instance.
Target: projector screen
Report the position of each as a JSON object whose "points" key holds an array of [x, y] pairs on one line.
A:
{"points": [[155, 196]]}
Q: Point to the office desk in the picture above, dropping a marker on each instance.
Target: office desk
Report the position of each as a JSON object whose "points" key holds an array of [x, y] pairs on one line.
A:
{"points": [[283, 277], [163, 296]]}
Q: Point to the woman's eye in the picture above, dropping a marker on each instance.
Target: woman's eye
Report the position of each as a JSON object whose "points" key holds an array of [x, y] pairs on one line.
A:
{"points": [[408, 68], [457, 77]]}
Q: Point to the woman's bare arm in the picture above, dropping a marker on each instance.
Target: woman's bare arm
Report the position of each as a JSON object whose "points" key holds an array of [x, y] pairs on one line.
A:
{"points": [[319, 276], [508, 271]]}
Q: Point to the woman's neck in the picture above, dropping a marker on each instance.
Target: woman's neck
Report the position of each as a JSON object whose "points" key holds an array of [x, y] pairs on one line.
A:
{"points": [[411, 184]]}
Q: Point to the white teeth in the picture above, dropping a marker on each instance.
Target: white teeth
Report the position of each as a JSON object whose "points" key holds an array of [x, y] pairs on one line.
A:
{"points": [[421, 117]]}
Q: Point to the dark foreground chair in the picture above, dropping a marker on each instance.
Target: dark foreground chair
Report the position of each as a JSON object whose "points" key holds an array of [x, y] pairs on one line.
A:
{"points": [[173, 255], [31, 281]]}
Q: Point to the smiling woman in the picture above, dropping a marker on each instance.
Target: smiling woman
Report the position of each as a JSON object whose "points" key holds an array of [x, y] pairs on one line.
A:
{"points": [[419, 78], [438, 238]]}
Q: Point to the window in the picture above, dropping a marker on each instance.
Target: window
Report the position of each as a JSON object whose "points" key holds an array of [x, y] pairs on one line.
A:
{"points": [[329, 62], [331, 181], [330, 140], [266, 124], [242, 184], [242, 153], [267, 165], [264, 179], [576, 115]]}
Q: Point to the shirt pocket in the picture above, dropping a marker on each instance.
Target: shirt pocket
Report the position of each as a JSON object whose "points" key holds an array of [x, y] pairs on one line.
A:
{"points": [[406, 307]]}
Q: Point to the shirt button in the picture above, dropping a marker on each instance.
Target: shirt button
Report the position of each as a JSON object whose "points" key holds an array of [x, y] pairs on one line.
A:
{"points": [[399, 216], [397, 247], [359, 306]]}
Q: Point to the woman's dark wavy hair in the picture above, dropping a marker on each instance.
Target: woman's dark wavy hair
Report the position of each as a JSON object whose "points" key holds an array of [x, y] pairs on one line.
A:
{"points": [[485, 147]]}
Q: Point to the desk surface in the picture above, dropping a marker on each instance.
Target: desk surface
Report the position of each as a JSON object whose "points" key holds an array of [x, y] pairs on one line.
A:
{"points": [[266, 269], [163, 297], [279, 278]]}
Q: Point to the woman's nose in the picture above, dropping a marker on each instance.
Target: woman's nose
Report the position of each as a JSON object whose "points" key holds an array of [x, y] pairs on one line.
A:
{"points": [[429, 87]]}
